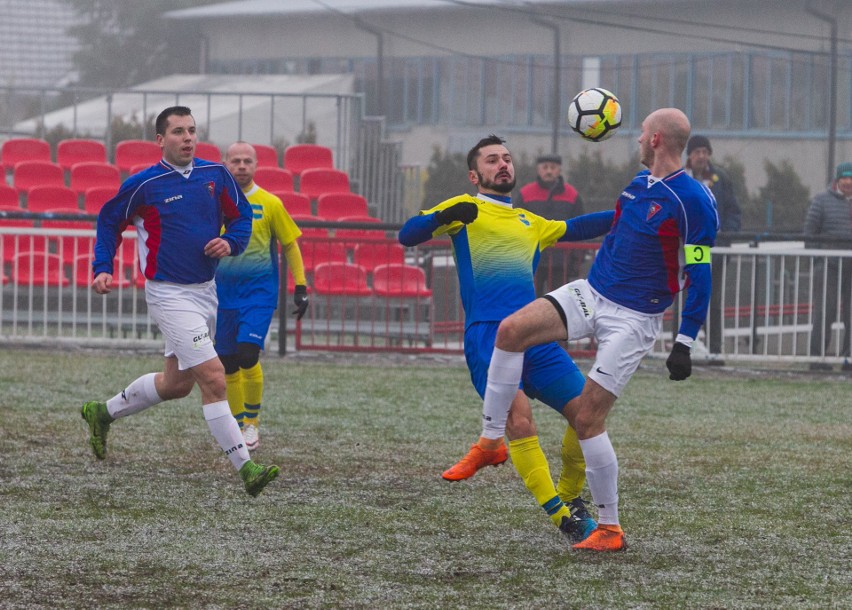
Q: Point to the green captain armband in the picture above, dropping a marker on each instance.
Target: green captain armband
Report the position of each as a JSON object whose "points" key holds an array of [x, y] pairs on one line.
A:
{"points": [[695, 255]]}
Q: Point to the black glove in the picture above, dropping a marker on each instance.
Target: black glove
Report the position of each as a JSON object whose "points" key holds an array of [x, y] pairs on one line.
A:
{"points": [[300, 299], [465, 212], [679, 363]]}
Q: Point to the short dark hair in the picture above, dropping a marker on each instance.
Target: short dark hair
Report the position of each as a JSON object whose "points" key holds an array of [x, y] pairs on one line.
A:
{"points": [[473, 153], [163, 117]]}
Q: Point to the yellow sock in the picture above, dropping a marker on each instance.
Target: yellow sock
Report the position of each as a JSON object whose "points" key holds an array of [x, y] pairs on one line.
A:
{"points": [[573, 474], [531, 464], [253, 387], [236, 396]]}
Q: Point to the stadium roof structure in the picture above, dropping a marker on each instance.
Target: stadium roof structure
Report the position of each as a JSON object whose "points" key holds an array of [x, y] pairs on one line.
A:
{"points": [[263, 8], [248, 94]]}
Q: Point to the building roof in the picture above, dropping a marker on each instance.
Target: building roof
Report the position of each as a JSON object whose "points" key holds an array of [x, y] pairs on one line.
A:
{"points": [[35, 48], [260, 8]]}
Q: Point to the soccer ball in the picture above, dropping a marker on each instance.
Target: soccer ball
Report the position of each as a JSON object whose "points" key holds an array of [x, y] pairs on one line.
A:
{"points": [[595, 114]]}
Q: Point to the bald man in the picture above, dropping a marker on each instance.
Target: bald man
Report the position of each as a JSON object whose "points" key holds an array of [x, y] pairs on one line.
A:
{"points": [[665, 224]]}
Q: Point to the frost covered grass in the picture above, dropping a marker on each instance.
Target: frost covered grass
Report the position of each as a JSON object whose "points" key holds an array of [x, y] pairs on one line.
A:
{"points": [[734, 494]]}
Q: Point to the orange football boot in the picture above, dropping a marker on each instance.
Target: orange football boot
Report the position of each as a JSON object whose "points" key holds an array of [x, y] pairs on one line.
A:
{"points": [[604, 538], [475, 459]]}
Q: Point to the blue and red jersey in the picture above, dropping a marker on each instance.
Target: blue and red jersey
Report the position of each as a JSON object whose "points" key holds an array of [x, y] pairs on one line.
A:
{"points": [[641, 264], [176, 213]]}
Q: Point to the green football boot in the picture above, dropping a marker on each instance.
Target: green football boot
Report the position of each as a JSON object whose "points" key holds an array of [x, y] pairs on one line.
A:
{"points": [[98, 418], [257, 476]]}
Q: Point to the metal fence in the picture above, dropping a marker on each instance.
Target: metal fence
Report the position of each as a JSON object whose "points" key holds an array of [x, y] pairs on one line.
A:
{"points": [[770, 300]]}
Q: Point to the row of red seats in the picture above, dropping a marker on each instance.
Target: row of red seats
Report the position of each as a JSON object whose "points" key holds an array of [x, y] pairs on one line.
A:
{"points": [[131, 153], [399, 280]]}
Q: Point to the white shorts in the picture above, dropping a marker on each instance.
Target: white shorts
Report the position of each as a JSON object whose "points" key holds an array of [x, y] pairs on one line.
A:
{"points": [[186, 315], [624, 336]]}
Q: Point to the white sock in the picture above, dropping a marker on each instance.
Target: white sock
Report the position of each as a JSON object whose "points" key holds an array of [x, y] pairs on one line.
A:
{"points": [[226, 431], [137, 397], [504, 376], [602, 476]]}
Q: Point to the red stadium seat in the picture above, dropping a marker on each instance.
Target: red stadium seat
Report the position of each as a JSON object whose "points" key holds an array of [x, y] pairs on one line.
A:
{"points": [[273, 179], [208, 151], [332, 206], [69, 247], [358, 236], [400, 281], [309, 232], [23, 149], [371, 255], [95, 197], [341, 279], [71, 151], [139, 167], [38, 269], [82, 274], [267, 156], [315, 182], [8, 196], [43, 198], [28, 174], [129, 153], [317, 252], [10, 244], [300, 157], [90, 174], [295, 203]]}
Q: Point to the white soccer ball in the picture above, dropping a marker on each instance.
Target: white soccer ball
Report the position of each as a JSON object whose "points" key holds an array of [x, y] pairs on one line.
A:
{"points": [[595, 114]]}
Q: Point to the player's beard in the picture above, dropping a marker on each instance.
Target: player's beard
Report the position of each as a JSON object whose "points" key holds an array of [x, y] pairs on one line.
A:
{"points": [[498, 187]]}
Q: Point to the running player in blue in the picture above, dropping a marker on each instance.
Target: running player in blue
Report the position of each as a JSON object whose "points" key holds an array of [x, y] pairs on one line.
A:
{"points": [[248, 292], [665, 224], [178, 207], [497, 248]]}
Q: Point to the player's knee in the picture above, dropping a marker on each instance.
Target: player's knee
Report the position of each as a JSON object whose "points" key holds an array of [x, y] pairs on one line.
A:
{"points": [[230, 362], [248, 355], [510, 335]]}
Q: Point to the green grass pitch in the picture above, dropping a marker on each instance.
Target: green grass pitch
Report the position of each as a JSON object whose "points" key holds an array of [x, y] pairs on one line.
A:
{"points": [[734, 493]]}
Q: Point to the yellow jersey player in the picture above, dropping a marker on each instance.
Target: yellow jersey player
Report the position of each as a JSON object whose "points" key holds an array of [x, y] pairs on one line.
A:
{"points": [[247, 286], [496, 249]]}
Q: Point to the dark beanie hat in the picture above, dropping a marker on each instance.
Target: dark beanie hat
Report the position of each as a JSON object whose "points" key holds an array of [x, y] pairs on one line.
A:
{"points": [[844, 170], [698, 142], [549, 159]]}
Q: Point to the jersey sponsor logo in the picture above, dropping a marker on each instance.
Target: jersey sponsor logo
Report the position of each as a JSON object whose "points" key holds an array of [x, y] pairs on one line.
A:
{"points": [[173, 198], [522, 218], [653, 209], [628, 195]]}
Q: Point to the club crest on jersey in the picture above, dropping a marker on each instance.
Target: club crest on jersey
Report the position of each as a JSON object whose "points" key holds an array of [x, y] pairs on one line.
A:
{"points": [[653, 209], [210, 187]]}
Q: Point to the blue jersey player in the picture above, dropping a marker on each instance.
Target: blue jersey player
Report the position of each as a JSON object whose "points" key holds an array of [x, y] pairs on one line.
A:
{"points": [[665, 224], [178, 207], [496, 248]]}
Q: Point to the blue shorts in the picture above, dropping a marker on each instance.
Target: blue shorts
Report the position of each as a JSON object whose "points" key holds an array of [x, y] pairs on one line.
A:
{"points": [[549, 375], [247, 325]]}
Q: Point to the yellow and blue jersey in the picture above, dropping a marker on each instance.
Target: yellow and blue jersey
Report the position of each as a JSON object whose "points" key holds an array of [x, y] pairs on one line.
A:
{"points": [[253, 275], [496, 255]]}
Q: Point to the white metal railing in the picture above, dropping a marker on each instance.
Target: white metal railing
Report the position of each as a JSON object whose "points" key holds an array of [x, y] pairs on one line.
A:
{"points": [[769, 301]]}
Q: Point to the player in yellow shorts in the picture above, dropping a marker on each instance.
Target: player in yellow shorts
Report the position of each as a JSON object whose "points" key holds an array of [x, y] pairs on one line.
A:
{"points": [[248, 292]]}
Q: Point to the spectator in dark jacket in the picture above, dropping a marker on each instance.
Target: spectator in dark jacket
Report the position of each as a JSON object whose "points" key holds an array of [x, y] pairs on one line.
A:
{"points": [[830, 215], [698, 153], [553, 198]]}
